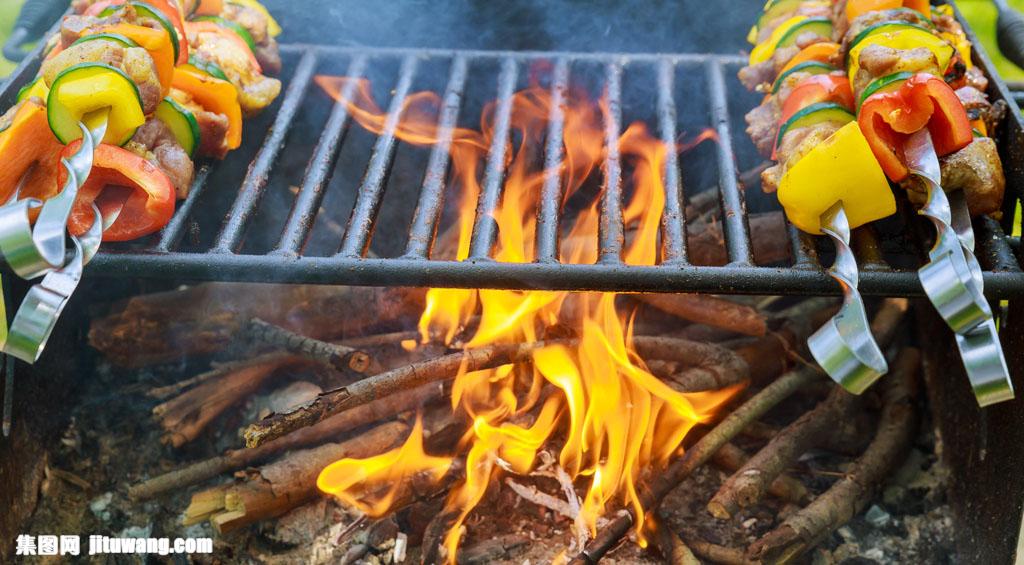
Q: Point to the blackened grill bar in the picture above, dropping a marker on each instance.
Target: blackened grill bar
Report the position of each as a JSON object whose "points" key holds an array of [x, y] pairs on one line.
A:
{"points": [[285, 262]]}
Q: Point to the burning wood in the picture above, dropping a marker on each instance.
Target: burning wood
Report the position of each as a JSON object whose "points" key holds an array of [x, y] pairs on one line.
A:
{"points": [[276, 488]]}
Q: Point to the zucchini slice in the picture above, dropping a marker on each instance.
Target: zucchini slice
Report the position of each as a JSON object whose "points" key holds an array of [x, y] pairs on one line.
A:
{"points": [[147, 11], [181, 122], [812, 67], [880, 28], [238, 29], [815, 114], [887, 83], [115, 37], [34, 88], [820, 26], [209, 68], [86, 88]]}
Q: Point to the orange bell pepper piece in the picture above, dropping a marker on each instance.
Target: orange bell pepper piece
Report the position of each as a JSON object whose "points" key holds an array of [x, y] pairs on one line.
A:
{"points": [[156, 42], [215, 95], [27, 142], [821, 52]]}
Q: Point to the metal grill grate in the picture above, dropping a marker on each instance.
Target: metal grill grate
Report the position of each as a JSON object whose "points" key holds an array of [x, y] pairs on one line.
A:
{"points": [[165, 256]]}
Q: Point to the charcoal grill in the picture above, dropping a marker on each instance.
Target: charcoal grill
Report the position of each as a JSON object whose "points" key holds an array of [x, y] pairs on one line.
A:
{"points": [[164, 256], [222, 232]]}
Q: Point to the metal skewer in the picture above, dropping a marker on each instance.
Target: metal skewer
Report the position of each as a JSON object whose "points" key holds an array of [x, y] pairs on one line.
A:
{"points": [[38, 314], [953, 278], [844, 346]]}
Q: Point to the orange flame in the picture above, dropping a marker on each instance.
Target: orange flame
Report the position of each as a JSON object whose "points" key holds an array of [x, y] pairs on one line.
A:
{"points": [[614, 419]]}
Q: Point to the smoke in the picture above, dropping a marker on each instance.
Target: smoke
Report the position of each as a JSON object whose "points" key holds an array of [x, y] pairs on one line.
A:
{"points": [[715, 26]]}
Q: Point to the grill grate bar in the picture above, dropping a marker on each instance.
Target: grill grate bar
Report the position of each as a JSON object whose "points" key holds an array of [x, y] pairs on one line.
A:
{"points": [[737, 232], [485, 227], [171, 234], [255, 183], [673, 221], [610, 229], [428, 210], [552, 191], [994, 247], [805, 254], [371, 190], [321, 167]]}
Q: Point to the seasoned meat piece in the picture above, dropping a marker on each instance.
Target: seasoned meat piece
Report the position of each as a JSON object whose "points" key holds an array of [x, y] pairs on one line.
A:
{"points": [[134, 61], [8, 117], [213, 127], [810, 11], [871, 18], [975, 169], [761, 74], [840, 25], [761, 124], [255, 91], [979, 108], [267, 52], [156, 143], [976, 79], [878, 61], [978, 171], [795, 144], [763, 120], [74, 27]]}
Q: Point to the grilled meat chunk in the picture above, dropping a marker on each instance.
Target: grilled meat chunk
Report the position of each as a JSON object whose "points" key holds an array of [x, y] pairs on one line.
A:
{"points": [[878, 61], [794, 145], [975, 169], [154, 141], [840, 25], [213, 127], [267, 52], [976, 79], [134, 61], [763, 121], [255, 91], [979, 108]]}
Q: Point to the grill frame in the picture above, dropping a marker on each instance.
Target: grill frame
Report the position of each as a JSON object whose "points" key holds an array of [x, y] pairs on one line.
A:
{"points": [[285, 264]]}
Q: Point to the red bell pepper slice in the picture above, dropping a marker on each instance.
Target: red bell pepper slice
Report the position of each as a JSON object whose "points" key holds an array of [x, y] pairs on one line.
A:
{"points": [[819, 88], [148, 208], [887, 120]]}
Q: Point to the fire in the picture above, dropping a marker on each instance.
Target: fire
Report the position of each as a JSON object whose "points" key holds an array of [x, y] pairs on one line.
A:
{"points": [[593, 395]]}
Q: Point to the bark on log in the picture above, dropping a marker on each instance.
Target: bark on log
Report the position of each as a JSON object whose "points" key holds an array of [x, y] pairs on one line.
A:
{"points": [[447, 367], [329, 429], [285, 484], [848, 496], [750, 483], [709, 310], [784, 487], [185, 416], [203, 319]]}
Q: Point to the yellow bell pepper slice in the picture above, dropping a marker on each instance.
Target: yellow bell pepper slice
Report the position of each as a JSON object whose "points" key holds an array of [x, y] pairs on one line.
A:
{"points": [[904, 38], [842, 169], [764, 50]]}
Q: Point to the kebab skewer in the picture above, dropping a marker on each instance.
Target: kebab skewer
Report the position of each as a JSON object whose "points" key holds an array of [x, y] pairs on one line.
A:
{"points": [[155, 89], [903, 60], [811, 130]]}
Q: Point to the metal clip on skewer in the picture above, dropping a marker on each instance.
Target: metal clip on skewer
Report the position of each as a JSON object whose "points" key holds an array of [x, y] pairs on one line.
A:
{"points": [[953, 278], [43, 249], [844, 346]]}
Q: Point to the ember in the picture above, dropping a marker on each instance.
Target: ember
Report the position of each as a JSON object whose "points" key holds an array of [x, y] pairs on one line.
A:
{"points": [[572, 394]]}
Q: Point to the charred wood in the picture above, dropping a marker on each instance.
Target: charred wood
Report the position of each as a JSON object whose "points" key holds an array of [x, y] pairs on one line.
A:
{"points": [[709, 310], [340, 357], [784, 487], [329, 429], [204, 319], [848, 496], [278, 487]]}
